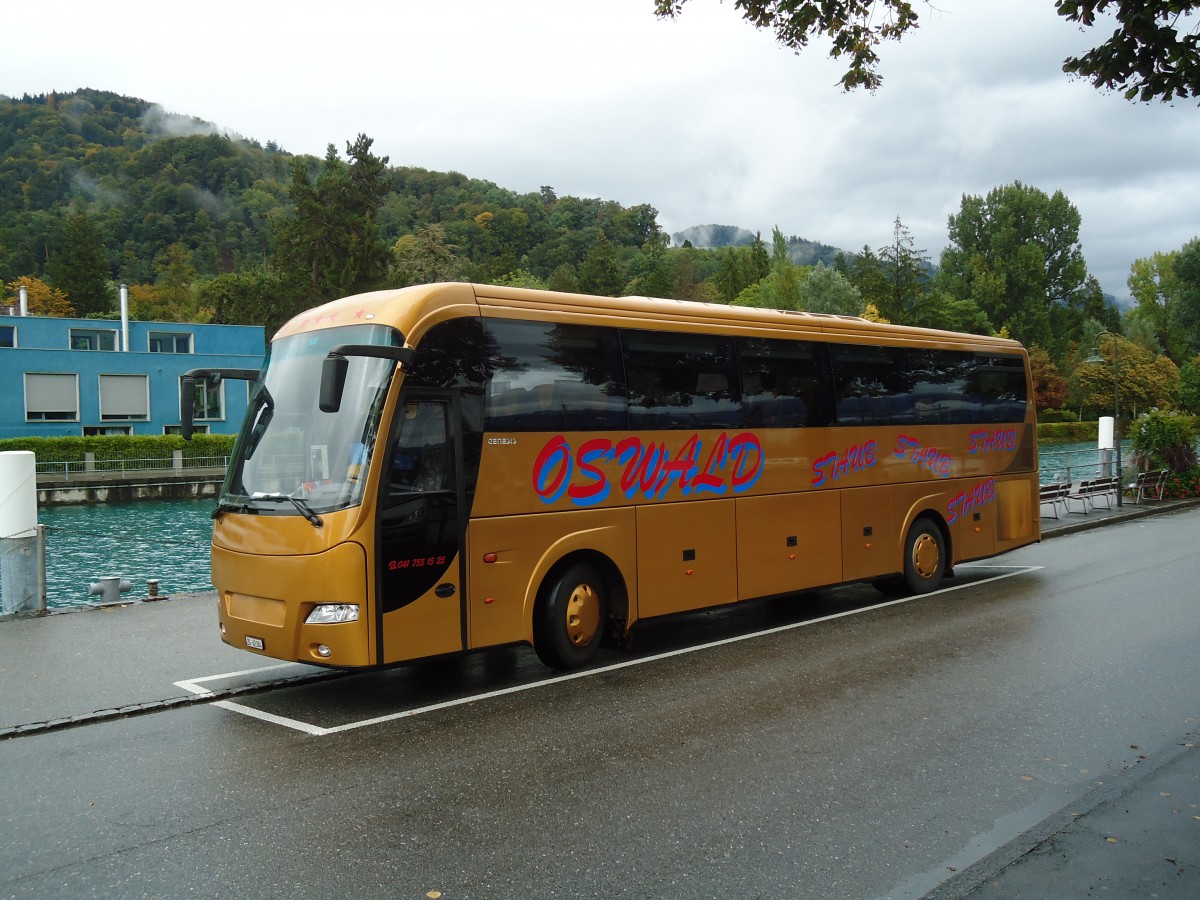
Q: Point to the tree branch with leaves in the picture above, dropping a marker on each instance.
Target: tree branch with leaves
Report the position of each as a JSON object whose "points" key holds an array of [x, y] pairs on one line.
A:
{"points": [[1154, 53]]}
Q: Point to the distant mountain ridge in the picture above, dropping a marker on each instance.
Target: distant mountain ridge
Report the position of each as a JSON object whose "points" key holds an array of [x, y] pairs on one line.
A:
{"points": [[803, 251]]}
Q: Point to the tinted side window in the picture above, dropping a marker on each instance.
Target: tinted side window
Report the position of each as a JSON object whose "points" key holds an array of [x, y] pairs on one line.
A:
{"points": [[783, 384], [453, 354], [680, 380], [940, 385], [873, 385], [551, 377], [1000, 383]]}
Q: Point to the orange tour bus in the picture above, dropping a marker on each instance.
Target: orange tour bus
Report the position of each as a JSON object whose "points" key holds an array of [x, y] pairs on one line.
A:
{"points": [[449, 467]]}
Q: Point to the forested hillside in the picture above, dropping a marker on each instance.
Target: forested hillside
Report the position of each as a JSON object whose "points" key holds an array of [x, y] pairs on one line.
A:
{"points": [[98, 189]]}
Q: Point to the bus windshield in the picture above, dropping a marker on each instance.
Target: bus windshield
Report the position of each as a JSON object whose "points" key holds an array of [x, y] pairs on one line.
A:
{"points": [[288, 449]]}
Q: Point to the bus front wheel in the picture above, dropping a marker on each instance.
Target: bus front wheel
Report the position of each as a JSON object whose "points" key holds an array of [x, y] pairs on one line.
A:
{"points": [[569, 617], [924, 557]]}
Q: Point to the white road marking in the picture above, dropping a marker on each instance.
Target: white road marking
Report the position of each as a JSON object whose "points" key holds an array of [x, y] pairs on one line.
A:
{"points": [[193, 685]]}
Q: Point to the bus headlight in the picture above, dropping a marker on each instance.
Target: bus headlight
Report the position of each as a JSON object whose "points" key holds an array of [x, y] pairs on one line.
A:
{"points": [[332, 614]]}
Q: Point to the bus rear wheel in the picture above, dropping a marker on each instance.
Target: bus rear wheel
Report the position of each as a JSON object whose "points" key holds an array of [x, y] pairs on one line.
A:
{"points": [[924, 557], [569, 618]]}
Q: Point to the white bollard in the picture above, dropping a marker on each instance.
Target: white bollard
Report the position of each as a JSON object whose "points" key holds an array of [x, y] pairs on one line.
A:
{"points": [[22, 559], [1105, 444]]}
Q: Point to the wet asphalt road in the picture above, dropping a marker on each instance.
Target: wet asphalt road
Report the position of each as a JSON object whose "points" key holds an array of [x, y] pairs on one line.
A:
{"points": [[869, 754]]}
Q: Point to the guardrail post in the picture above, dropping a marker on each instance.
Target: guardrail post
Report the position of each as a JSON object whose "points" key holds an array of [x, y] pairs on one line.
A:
{"points": [[177, 460], [89, 461]]}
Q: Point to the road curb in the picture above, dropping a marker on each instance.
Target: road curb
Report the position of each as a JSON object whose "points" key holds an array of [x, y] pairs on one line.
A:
{"points": [[1126, 514], [141, 709]]}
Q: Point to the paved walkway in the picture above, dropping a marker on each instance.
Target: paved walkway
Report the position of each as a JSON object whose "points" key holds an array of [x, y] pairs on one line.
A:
{"points": [[1138, 836]]}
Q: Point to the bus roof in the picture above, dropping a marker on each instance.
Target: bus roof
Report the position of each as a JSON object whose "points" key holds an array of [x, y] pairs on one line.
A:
{"points": [[411, 309]]}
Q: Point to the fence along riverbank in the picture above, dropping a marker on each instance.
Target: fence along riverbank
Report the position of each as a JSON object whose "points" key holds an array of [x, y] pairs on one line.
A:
{"points": [[128, 478]]}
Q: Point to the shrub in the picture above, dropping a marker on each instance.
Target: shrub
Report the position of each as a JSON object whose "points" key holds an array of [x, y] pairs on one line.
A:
{"points": [[1164, 439], [1183, 485], [1047, 416], [121, 446]]}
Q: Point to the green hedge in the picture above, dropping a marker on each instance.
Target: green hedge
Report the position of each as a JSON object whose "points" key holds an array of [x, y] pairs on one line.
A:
{"points": [[121, 446], [1067, 432]]}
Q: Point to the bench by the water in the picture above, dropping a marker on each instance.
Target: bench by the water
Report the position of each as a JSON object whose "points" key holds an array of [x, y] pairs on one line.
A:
{"points": [[1084, 493], [1148, 485], [1054, 494]]}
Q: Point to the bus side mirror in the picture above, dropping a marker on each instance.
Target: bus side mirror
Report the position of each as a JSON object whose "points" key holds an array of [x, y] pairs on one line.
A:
{"points": [[187, 405], [333, 382]]}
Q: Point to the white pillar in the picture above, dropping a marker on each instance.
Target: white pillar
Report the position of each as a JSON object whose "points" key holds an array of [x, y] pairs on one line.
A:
{"points": [[124, 318], [21, 575]]}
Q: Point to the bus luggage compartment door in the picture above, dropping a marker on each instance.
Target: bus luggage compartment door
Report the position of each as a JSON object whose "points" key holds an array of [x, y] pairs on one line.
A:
{"points": [[788, 542], [685, 556]]}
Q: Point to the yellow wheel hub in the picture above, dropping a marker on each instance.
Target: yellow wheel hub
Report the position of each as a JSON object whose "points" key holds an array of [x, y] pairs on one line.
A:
{"points": [[583, 615], [925, 556]]}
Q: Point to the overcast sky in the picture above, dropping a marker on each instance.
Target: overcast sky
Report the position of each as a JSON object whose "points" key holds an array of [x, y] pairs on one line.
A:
{"points": [[704, 118]]}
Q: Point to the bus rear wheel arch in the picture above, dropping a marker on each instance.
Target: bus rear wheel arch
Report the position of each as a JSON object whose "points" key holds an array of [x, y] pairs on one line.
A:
{"points": [[571, 614], [925, 556]]}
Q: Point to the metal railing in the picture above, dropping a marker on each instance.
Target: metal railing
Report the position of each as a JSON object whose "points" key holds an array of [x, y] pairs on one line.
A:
{"points": [[1070, 466], [90, 464]]}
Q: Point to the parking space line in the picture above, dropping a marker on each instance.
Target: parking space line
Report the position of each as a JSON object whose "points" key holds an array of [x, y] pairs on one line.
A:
{"points": [[193, 685]]}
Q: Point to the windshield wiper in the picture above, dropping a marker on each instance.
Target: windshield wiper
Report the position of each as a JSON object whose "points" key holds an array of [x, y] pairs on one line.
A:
{"points": [[225, 506], [301, 505]]}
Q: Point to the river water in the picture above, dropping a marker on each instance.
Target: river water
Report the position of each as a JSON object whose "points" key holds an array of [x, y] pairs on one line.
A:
{"points": [[163, 539], [169, 539]]}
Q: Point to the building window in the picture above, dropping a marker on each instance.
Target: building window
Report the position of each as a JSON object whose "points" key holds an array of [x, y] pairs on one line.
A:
{"points": [[124, 397], [209, 405], [178, 429], [51, 398], [98, 430], [170, 342], [93, 339], [8, 335]]}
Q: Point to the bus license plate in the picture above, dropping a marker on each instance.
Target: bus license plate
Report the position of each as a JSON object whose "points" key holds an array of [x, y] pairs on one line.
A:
{"points": [[254, 643]]}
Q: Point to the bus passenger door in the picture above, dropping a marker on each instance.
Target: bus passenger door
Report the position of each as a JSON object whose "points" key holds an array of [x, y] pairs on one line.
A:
{"points": [[420, 530]]}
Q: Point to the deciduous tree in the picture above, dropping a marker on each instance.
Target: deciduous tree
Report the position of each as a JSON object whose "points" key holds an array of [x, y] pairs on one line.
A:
{"points": [[40, 298], [826, 290], [1150, 56], [1016, 254], [1146, 379], [1049, 384]]}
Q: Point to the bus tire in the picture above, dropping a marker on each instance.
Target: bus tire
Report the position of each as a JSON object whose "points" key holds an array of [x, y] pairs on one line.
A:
{"points": [[924, 557], [570, 616]]}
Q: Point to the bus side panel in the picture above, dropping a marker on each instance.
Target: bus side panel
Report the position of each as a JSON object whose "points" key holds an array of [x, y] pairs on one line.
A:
{"points": [[788, 542], [870, 533], [503, 593], [685, 556], [1017, 512], [972, 523]]}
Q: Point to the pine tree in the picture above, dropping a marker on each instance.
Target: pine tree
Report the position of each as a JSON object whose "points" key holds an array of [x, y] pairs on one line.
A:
{"points": [[78, 267]]}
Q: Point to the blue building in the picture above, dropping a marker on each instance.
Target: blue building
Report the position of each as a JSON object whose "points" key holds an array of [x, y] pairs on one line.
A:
{"points": [[100, 376]]}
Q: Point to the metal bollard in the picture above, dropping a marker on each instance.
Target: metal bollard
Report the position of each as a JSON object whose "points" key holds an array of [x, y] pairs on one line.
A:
{"points": [[109, 589], [152, 591]]}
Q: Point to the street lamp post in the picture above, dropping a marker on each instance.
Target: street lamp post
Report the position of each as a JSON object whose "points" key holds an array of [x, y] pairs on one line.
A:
{"points": [[1097, 358]]}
